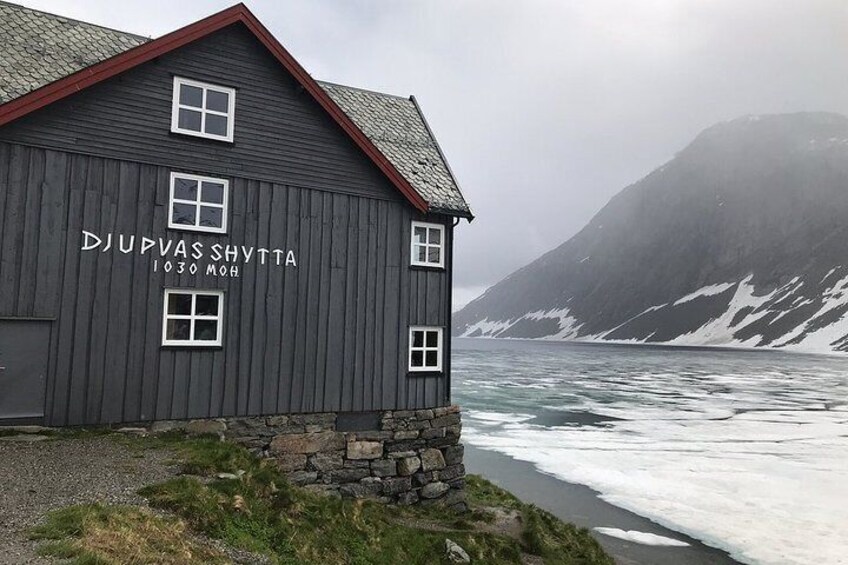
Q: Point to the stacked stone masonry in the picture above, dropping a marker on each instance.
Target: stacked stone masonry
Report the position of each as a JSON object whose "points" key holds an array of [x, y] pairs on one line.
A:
{"points": [[414, 457]]}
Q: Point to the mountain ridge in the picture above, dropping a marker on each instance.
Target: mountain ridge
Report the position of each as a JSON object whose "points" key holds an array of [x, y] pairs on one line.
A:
{"points": [[749, 218]]}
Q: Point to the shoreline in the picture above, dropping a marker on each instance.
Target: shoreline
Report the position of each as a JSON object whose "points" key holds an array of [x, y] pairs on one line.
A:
{"points": [[667, 345], [583, 506]]}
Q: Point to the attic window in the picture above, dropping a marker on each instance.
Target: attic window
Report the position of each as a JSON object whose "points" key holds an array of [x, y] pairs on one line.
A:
{"points": [[203, 110], [428, 245], [425, 349]]}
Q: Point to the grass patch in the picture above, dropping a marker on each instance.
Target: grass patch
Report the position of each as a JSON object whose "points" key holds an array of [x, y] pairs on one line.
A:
{"points": [[260, 512], [481, 492], [94, 534]]}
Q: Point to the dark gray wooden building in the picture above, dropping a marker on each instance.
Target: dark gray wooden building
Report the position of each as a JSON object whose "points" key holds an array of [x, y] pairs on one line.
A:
{"points": [[193, 227]]}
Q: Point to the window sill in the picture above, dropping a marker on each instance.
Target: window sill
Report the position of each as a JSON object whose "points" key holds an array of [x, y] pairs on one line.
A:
{"points": [[427, 268], [413, 374], [197, 231], [200, 137], [192, 347]]}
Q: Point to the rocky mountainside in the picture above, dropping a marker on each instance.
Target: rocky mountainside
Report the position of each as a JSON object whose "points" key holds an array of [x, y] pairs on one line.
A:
{"points": [[741, 239]]}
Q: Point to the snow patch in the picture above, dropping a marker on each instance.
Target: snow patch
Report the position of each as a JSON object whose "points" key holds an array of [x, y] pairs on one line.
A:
{"points": [[710, 290], [643, 538]]}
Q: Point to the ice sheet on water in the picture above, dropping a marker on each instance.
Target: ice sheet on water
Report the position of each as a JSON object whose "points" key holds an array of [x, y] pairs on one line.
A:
{"points": [[496, 417], [747, 451], [644, 538]]}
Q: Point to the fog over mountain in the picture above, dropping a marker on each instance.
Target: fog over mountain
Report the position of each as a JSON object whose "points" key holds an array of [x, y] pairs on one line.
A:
{"points": [[740, 239]]}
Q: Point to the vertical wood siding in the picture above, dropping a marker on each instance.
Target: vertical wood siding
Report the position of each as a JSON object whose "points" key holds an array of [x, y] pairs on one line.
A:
{"points": [[327, 335]]}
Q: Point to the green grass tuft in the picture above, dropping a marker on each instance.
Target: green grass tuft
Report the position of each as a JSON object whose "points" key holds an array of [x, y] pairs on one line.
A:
{"points": [[95, 534]]}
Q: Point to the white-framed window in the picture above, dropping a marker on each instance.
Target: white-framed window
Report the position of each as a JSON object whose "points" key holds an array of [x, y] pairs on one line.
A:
{"points": [[428, 245], [198, 203], [425, 349], [193, 317], [203, 110]]}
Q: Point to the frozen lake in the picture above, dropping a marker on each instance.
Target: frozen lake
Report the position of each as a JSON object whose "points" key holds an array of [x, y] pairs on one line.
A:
{"points": [[745, 450]]}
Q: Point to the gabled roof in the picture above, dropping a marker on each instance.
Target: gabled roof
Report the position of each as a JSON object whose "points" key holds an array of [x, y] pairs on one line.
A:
{"points": [[398, 129], [44, 58]]}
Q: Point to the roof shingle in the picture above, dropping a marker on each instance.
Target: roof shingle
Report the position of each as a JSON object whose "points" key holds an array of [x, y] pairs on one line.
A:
{"points": [[398, 129], [37, 48]]}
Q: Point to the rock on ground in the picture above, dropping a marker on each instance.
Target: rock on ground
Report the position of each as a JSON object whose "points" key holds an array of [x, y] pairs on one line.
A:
{"points": [[455, 553]]}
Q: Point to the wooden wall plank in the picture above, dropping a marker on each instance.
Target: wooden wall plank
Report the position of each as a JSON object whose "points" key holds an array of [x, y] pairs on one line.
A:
{"points": [[11, 245]]}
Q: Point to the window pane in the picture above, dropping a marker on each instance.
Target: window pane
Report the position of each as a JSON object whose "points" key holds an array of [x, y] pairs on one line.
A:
{"points": [[206, 305], [218, 101], [185, 189], [419, 235], [421, 253], [432, 339], [433, 255], [213, 192], [189, 119], [417, 339], [211, 217], [417, 358], [432, 359], [216, 125], [178, 329], [191, 96], [205, 330], [184, 214], [435, 236], [179, 304]]}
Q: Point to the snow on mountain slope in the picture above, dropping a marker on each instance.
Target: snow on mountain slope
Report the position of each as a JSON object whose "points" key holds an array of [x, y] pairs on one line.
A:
{"points": [[740, 240]]}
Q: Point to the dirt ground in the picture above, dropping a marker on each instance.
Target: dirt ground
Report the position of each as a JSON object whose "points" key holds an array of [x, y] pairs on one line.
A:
{"points": [[41, 474]]}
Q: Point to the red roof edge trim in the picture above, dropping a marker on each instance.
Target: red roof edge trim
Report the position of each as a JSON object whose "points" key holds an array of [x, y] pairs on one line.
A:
{"points": [[125, 61]]}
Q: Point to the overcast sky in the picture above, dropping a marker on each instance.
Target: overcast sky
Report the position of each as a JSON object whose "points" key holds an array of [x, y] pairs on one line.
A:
{"points": [[546, 109]]}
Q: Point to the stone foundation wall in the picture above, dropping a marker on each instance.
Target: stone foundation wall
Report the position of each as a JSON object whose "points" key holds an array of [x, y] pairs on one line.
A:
{"points": [[402, 457]]}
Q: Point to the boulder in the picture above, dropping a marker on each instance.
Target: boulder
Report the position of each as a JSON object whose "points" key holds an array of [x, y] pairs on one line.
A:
{"points": [[307, 442], [453, 454], [205, 427], [434, 490], [364, 450], [288, 462], [396, 485], [384, 468], [432, 460], [324, 462], [362, 489], [301, 478], [408, 465], [347, 475], [455, 553]]}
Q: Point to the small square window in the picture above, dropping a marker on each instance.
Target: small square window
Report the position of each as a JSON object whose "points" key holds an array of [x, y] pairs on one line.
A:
{"points": [[198, 203], [427, 245], [192, 317], [425, 349], [203, 110]]}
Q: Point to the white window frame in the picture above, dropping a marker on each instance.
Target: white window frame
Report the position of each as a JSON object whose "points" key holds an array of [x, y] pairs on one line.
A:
{"points": [[413, 246], [175, 109], [192, 317], [225, 205], [424, 349]]}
